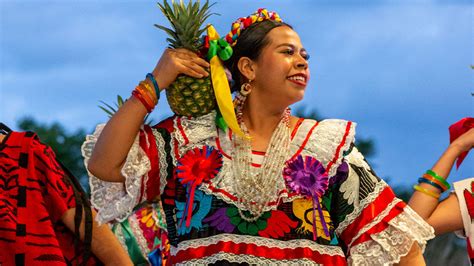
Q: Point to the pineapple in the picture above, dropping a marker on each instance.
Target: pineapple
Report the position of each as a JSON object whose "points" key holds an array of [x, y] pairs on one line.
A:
{"points": [[188, 96]]}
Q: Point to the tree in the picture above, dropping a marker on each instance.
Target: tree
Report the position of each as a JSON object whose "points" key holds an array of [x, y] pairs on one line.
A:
{"points": [[66, 146]]}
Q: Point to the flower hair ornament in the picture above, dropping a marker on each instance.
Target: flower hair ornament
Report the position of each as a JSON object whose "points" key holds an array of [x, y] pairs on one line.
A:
{"points": [[242, 23]]}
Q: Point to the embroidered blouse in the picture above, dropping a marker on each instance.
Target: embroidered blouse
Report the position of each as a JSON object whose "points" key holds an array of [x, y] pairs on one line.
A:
{"points": [[366, 224]]}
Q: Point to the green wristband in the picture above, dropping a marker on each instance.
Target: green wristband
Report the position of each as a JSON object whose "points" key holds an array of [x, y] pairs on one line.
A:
{"points": [[439, 178]]}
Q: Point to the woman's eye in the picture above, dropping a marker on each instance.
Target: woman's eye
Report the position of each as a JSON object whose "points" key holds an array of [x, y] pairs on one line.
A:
{"points": [[289, 51], [305, 56]]}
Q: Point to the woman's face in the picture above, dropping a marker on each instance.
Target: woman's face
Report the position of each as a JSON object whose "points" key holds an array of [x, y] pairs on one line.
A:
{"points": [[281, 71]]}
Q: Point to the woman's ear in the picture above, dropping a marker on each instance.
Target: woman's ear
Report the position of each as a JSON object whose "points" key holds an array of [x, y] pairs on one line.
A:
{"points": [[247, 68]]}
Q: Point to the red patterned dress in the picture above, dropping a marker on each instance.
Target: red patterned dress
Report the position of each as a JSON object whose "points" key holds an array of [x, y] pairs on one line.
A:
{"points": [[465, 193], [359, 221], [33, 196]]}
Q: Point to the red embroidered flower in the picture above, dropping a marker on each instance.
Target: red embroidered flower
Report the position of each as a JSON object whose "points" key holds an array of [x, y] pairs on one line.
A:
{"points": [[195, 167]]}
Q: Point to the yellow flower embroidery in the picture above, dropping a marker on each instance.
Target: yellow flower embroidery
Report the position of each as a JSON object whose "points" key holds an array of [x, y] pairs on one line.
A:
{"points": [[303, 209], [147, 218]]}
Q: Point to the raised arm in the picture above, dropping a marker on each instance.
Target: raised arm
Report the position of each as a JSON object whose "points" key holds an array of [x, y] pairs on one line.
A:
{"points": [[427, 206], [120, 131]]}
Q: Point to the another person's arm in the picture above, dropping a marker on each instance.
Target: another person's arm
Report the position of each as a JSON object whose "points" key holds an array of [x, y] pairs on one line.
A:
{"points": [[118, 135], [105, 245], [426, 206]]}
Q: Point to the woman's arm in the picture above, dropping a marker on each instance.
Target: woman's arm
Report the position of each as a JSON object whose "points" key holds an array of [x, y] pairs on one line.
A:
{"points": [[105, 245], [427, 206], [119, 133]]}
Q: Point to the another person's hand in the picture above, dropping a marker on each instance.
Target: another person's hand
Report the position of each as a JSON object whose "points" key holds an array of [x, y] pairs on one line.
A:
{"points": [[179, 61], [464, 143]]}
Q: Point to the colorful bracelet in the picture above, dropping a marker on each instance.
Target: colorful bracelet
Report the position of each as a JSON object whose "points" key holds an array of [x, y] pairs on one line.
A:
{"points": [[429, 182], [439, 178], [155, 84], [426, 191], [436, 181], [150, 91], [146, 96], [138, 95]]}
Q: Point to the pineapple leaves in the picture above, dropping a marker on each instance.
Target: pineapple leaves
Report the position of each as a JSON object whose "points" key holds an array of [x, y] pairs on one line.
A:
{"points": [[186, 20]]}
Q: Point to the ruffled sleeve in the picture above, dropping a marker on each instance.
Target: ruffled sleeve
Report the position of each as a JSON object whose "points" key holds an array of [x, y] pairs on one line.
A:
{"points": [[115, 201], [375, 226]]}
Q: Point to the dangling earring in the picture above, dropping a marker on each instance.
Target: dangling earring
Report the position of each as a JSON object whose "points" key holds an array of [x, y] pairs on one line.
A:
{"points": [[240, 98], [246, 88]]}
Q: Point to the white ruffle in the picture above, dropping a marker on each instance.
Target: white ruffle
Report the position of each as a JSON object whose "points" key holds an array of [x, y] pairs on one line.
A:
{"points": [[199, 131], [322, 144], [326, 138], [113, 200], [388, 246]]}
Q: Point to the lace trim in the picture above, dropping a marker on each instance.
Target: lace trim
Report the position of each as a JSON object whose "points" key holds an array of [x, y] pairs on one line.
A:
{"points": [[376, 220], [388, 246], [115, 201], [379, 187], [199, 131], [259, 241], [247, 259], [326, 138], [138, 234], [160, 144]]}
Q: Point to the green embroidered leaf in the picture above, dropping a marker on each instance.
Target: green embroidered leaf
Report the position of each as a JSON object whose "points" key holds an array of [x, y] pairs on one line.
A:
{"points": [[252, 229], [243, 227], [235, 220], [266, 215], [261, 224], [232, 212]]}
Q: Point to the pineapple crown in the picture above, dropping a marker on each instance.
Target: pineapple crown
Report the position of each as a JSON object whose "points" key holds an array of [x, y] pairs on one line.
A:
{"points": [[186, 21], [242, 23]]}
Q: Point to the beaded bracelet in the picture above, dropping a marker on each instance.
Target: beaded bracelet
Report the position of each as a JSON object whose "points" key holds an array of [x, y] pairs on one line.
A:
{"points": [[429, 182], [426, 191], [155, 84], [439, 178]]}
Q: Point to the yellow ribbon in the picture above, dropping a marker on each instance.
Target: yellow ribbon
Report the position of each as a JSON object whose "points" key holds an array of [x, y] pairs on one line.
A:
{"points": [[221, 88]]}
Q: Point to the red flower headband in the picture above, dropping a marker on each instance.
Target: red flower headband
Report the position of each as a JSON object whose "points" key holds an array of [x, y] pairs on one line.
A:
{"points": [[243, 23]]}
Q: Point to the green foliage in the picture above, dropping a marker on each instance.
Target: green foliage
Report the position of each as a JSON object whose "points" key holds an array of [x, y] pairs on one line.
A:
{"points": [[66, 146]]}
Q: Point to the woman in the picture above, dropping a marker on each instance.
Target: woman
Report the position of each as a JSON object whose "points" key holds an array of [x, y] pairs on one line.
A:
{"points": [[41, 210], [297, 191], [455, 213]]}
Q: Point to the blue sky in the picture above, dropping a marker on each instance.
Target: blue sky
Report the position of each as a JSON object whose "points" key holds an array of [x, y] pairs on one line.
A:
{"points": [[400, 69]]}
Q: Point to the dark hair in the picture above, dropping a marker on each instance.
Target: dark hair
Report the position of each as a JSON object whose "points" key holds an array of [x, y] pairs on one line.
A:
{"points": [[250, 43]]}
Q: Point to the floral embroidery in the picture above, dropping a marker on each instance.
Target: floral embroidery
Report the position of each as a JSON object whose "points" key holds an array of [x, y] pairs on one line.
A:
{"points": [[250, 228], [279, 224], [220, 220], [151, 223], [200, 209], [307, 176], [195, 167], [303, 209]]}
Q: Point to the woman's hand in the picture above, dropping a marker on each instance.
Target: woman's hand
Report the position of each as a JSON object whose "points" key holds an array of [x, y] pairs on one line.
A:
{"points": [[179, 61], [464, 143]]}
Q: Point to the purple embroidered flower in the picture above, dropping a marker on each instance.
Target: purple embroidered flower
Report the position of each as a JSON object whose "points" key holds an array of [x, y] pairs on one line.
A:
{"points": [[341, 175], [308, 177], [220, 221]]}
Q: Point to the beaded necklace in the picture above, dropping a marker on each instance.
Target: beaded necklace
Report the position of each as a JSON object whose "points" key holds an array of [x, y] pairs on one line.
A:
{"points": [[254, 192]]}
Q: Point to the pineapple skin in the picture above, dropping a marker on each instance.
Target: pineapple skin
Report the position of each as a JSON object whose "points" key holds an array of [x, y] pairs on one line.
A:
{"points": [[192, 97]]}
